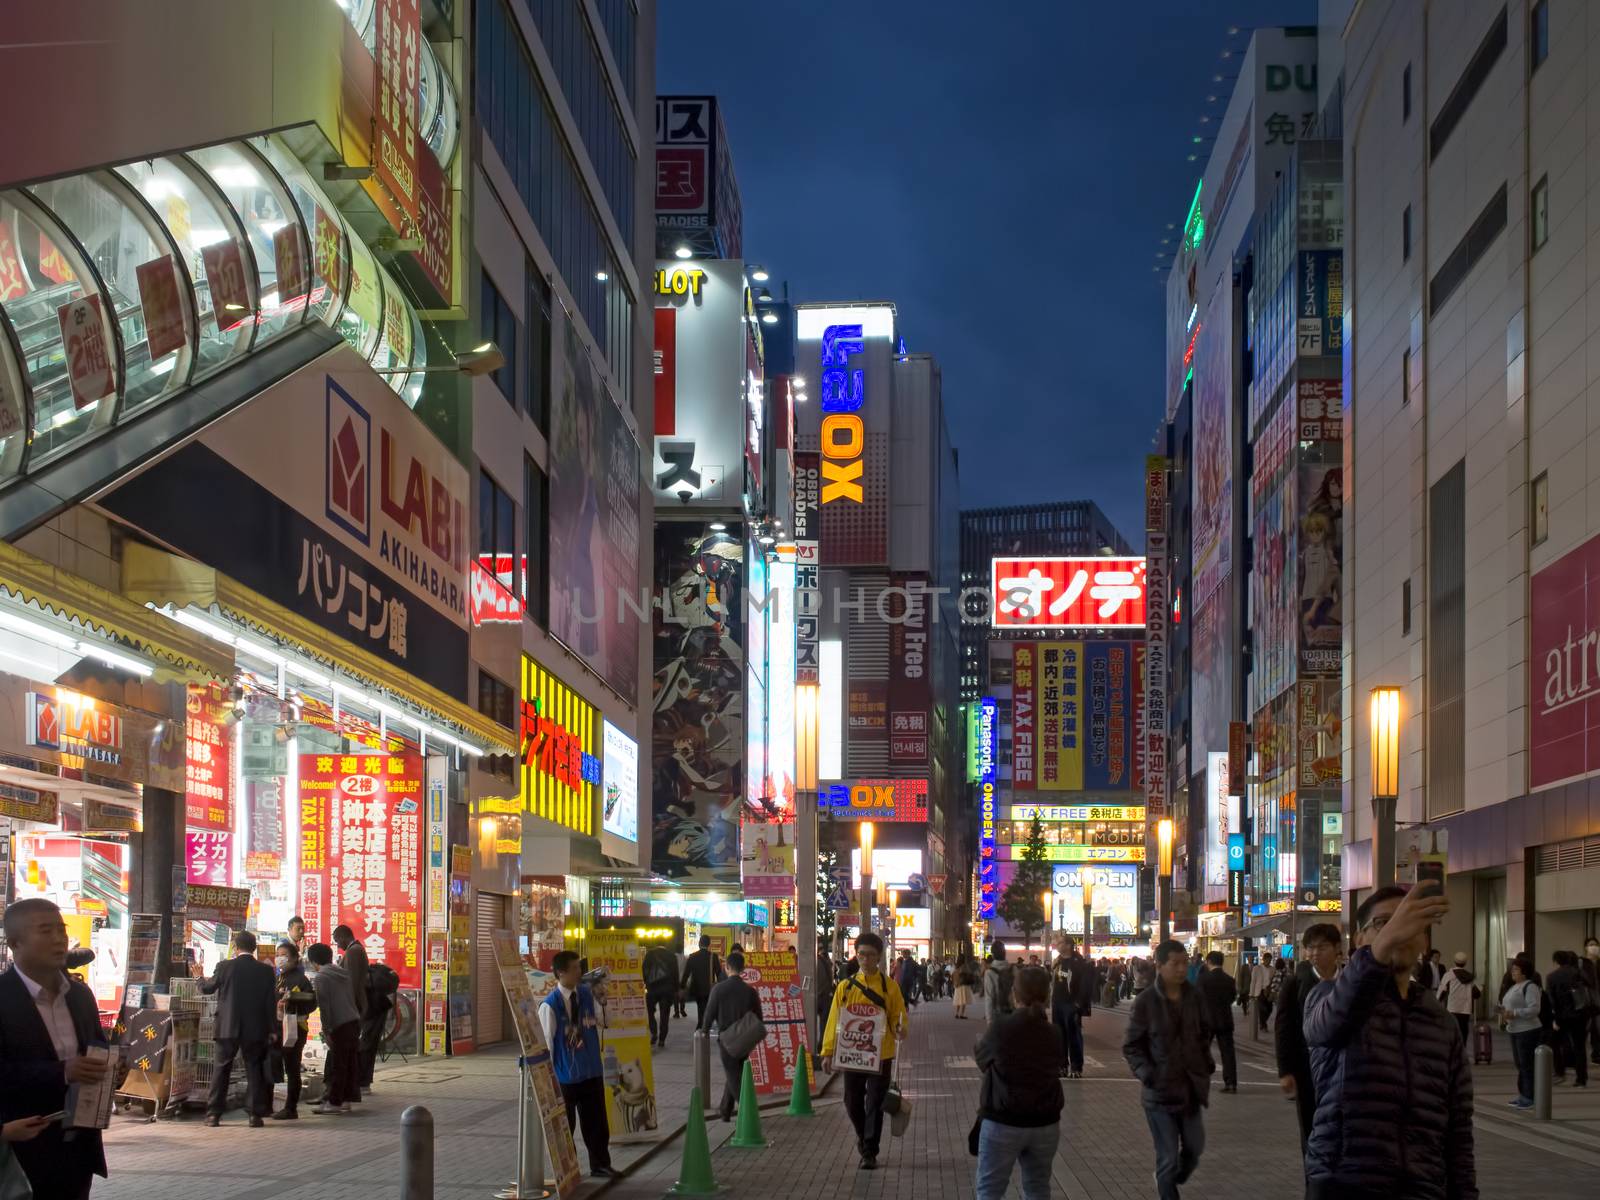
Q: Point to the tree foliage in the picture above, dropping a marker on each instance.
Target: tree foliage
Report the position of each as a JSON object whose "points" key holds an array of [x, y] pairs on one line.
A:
{"points": [[1021, 904]]}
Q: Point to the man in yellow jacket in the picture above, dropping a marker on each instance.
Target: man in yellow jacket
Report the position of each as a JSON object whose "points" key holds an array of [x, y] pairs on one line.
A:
{"points": [[875, 1013]]}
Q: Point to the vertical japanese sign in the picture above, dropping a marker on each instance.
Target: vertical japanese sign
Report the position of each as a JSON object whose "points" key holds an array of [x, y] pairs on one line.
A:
{"points": [[1321, 569], [83, 339], [628, 1062], [1109, 708], [164, 329], [208, 858], [230, 299], [460, 944], [436, 921], [208, 761], [1024, 727], [264, 848], [435, 220], [1061, 717], [910, 696], [361, 853], [776, 978], [808, 567], [1153, 734], [988, 889], [397, 47]]}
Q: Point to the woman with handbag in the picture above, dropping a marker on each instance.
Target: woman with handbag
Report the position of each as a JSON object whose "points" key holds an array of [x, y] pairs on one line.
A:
{"points": [[872, 1013], [1019, 1106], [734, 1009], [297, 1000]]}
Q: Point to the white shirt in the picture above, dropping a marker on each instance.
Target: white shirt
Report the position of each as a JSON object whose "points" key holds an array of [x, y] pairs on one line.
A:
{"points": [[547, 1018], [55, 1014]]}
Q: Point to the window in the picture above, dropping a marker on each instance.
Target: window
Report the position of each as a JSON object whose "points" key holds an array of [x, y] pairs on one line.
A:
{"points": [[1405, 377], [1469, 252], [1405, 609], [1405, 94], [500, 326], [1447, 644], [1539, 212], [497, 531], [536, 537], [1405, 235], [497, 700], [536, 397], [1540, 516], [1538, 34], [1472, 79]]}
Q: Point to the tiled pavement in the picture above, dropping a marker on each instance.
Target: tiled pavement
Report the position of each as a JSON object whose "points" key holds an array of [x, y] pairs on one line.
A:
{"points": [[1252, 1145]]}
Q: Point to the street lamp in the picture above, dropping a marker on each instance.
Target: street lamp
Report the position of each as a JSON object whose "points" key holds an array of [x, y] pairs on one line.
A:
{"points": [[1385, 732], [1164, 875], [1047, 904], [866, 876], [1088, 912]]}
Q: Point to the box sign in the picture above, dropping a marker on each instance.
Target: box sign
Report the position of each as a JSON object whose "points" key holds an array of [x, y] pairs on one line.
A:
{"points": [[913, 924], [843, 394], [902, 800], [1056, 813], [1067, 593], [1564, 669], [619, 811], [560, 731]]}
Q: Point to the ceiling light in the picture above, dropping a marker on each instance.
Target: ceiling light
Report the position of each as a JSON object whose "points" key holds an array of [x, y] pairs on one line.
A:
{"points": [[759, 274], [111, 658], [769, 318], [684, 252], [717, 527], [601, 276], [19, 623]]}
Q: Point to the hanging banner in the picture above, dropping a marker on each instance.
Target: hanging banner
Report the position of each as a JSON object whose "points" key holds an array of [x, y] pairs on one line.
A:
{"points": [[766, 863], [524, 1007], [1061, 717], [1108, 710], [208, 763], [1024, 745], [629, 1066], [361, 848], [209, 857], [775, 975], [396, 48]]}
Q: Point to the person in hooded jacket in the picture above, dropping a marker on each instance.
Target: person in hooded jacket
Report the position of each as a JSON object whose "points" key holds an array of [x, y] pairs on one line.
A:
{"points": [[1459, 992], [1168, 1047], [1394, 1088]]}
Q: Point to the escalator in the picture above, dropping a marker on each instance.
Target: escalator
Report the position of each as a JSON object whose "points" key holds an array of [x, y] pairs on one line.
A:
{"points": [[143, 301]]}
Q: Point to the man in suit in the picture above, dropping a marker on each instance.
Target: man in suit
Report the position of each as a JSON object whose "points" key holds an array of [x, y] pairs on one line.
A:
{"points": [[700, 974], [1217, 994], [353, 958], [47, 1020], [730, 1000], [247, 1009]]}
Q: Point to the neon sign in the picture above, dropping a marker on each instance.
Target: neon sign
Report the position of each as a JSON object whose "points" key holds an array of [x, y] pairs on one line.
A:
{"points": [[988, 868], [843, 392]]}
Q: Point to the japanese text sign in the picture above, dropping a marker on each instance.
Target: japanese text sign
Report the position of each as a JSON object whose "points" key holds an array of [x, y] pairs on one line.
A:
{"points": [[83, 341], [208, 858], [208, 772], [1068, 593], [397, 47], [776, 979], [164, 329]]}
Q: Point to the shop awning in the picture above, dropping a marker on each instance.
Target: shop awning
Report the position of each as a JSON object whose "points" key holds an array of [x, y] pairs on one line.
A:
{"points": [[63, 594], [1291, 923], [156, 577]]}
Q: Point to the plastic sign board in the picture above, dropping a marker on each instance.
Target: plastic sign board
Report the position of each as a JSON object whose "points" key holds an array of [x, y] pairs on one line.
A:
{"points": [[901, 800], [1056, 813], [1067, 593], [619, 811], [1081, 854], [843, 435]]}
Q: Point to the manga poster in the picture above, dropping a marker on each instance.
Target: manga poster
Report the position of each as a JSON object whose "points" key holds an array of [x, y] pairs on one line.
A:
{"points": [[1213, 445], [697, 723], [1321, 568]]}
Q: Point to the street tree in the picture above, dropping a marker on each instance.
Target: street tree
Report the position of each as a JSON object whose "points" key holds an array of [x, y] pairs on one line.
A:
{"points": [[1021, 904]]}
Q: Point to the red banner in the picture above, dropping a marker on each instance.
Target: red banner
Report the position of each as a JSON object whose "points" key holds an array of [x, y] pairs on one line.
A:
{"points": [[1563, 680], [1067, 593], [436, 208], [163, 312], [1023, 727], [361, 849], [83, 338], [208, 764], [397, 46], [776, 978]]}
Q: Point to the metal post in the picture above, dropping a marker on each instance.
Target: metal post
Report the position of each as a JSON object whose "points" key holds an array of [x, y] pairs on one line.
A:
{"points": [[416, 1154], [702, 1067], [806, 898], [1543, 1079], [1163, 898], [1382, 841]]}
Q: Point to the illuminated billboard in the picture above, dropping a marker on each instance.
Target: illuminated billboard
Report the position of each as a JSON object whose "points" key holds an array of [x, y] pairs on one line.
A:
{"points": [[1217, 817], [1067, 593], [901, 800], [1116, 898], [1077, 853], [891, 868], [987, 724], [1050, 813], [619, 810]]}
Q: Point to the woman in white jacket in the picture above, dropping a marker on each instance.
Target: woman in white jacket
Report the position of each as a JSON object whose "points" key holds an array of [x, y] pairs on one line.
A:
{"points": [[1519, 1010], [1459, 992]]}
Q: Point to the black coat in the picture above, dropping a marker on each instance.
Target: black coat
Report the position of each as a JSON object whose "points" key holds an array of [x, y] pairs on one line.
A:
{"points": [[1394, 1091], [730, 1000], [700, 974], [1021, 1059], [247, 999], [355, 963], [1289, 1023], [1217, 993], [1168, 1046], [1073, 983], [33, 1083], [1559, 987]]}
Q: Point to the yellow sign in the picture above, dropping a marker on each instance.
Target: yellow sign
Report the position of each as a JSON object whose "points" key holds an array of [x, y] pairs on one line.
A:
{"points": [[682, 282], [560, 736], [1075, 853], [629, 1065], [1060, 708]]}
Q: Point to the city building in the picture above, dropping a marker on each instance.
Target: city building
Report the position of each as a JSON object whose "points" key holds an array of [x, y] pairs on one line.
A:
{"points": [[1472, 525]]}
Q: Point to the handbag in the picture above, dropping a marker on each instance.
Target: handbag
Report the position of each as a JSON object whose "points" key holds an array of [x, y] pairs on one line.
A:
{"points": [[743, 1036], [896, 1105], [14, 1183]]}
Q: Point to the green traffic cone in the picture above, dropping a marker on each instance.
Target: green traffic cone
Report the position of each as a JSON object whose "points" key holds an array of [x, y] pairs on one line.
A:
{"points": [[694, 1173], [800, 1094], [747, 1136]]}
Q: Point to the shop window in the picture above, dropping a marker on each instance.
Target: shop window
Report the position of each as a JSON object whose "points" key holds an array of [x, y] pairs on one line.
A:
{"points": [[497, 531], [497, 700], [500, 326], [536, 541]]}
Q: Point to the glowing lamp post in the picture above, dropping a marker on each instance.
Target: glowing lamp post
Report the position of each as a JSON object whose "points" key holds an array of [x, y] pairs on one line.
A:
{"points": [[1088, 910], [1385, 734], [866, 876], [1164, 875], [1047, 905]]}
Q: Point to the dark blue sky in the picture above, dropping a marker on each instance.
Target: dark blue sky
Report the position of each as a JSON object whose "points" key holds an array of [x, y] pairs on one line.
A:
{"points": [[1003, 172]]}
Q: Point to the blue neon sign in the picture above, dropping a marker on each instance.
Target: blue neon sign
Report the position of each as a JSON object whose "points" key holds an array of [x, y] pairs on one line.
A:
{"points": [[988, 751], [844, 437]]}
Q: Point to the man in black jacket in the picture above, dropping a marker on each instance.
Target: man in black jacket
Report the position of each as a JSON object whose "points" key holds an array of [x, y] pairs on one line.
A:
{"points": [[729, 1001], [353, 958], [1572, 1003], [1168, 1046], [700, 975], [1071, 998], [1394, 1091], [247, 1009], [1321, 944], [47, 1021], [1218, 992], [1020, 1102], [660, 971]]}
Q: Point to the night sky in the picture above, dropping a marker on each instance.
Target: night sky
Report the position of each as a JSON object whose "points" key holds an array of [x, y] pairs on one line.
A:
{"points": [[1004, 173]]}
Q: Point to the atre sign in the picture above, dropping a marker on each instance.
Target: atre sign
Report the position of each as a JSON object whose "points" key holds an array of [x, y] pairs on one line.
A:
{"points": [[1564, 669]]}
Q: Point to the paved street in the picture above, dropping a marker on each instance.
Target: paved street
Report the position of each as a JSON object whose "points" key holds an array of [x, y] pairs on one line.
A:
{"points": [[1105, 1152]]}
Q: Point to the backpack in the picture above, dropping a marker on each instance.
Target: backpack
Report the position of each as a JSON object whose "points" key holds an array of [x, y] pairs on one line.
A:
{"points": [[657, 974], [382, 986], [1003, 979]]}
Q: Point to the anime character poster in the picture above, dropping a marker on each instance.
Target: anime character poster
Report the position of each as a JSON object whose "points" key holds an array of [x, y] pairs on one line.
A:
{"points": [[1213, 445], [697, 724], [1321, 568]]}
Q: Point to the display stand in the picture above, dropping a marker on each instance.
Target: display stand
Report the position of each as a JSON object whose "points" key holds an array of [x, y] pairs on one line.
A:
{"points": [[530, 1144]]}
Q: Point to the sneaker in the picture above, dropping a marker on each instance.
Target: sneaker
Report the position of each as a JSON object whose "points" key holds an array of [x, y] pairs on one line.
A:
{"points": [[1521, 1102], [327, 1110]]}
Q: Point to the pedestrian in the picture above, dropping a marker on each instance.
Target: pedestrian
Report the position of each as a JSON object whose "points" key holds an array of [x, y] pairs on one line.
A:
{"points": [[297, 1000], [48, 1020], [1167, 1044], [353, 958], [731, 1000], [1572, 1004], [864, 1091], [247, 1005], [1519, 1014], [572, 1031], [660, 972], [341, 1030], [678, 1009], [905, 975], [1071, 999], [1242, 979], [700, 974], [297, 936], [1590, 966], [1144, 974], [1262, 977], [1394, 1089], [822, 988], [1020, 1100], [997, 984], [1430, 971], [1459, 993], [1321, 943], [961, 976], [1218, 992]]}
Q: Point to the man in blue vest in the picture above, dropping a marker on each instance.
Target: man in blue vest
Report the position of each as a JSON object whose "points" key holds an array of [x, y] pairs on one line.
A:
{"points": [[571, 1026]]}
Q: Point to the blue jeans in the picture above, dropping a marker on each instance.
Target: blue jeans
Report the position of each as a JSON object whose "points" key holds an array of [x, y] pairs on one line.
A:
{"points": [[1522, 1047], [1070, 1023], [1000, 1147], [1180, 1139]]}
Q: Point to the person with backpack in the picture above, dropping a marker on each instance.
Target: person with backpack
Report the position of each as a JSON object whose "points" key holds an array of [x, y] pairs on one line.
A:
{"points": [[1572, 1004], [997, 984], [383, 990], [701, 972], [1460, 992], [730, 1002], [872, 990], [660, 971]]}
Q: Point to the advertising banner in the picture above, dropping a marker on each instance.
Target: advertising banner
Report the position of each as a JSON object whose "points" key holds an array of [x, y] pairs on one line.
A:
{"points": [[208, 858], [1319, 725], [208, 760], [898, 800], [1216, 841], [1212, 671], [988, 723], [1061, 717], [1024, 730], [361, 854], [701, 376], [619, 811], [1107, 765], [1115, 895], [1212, 547], [910, 698], [695, 185], [560, 773], [59, 726], [356, 514], [1321, 563], [458, 982], [90, 366], [1320, 409], [625, 1022], [541, 1071], [264, 840], [1136, 757], [436, 202], [1563, 677], [594, 520], [164, 325], [776, 978], [1319, 304], [1060, 813], [777, 798], [697, 735], [1275, 603], [396, 48], [1067, 593], [228, 906], [766, 862]]}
